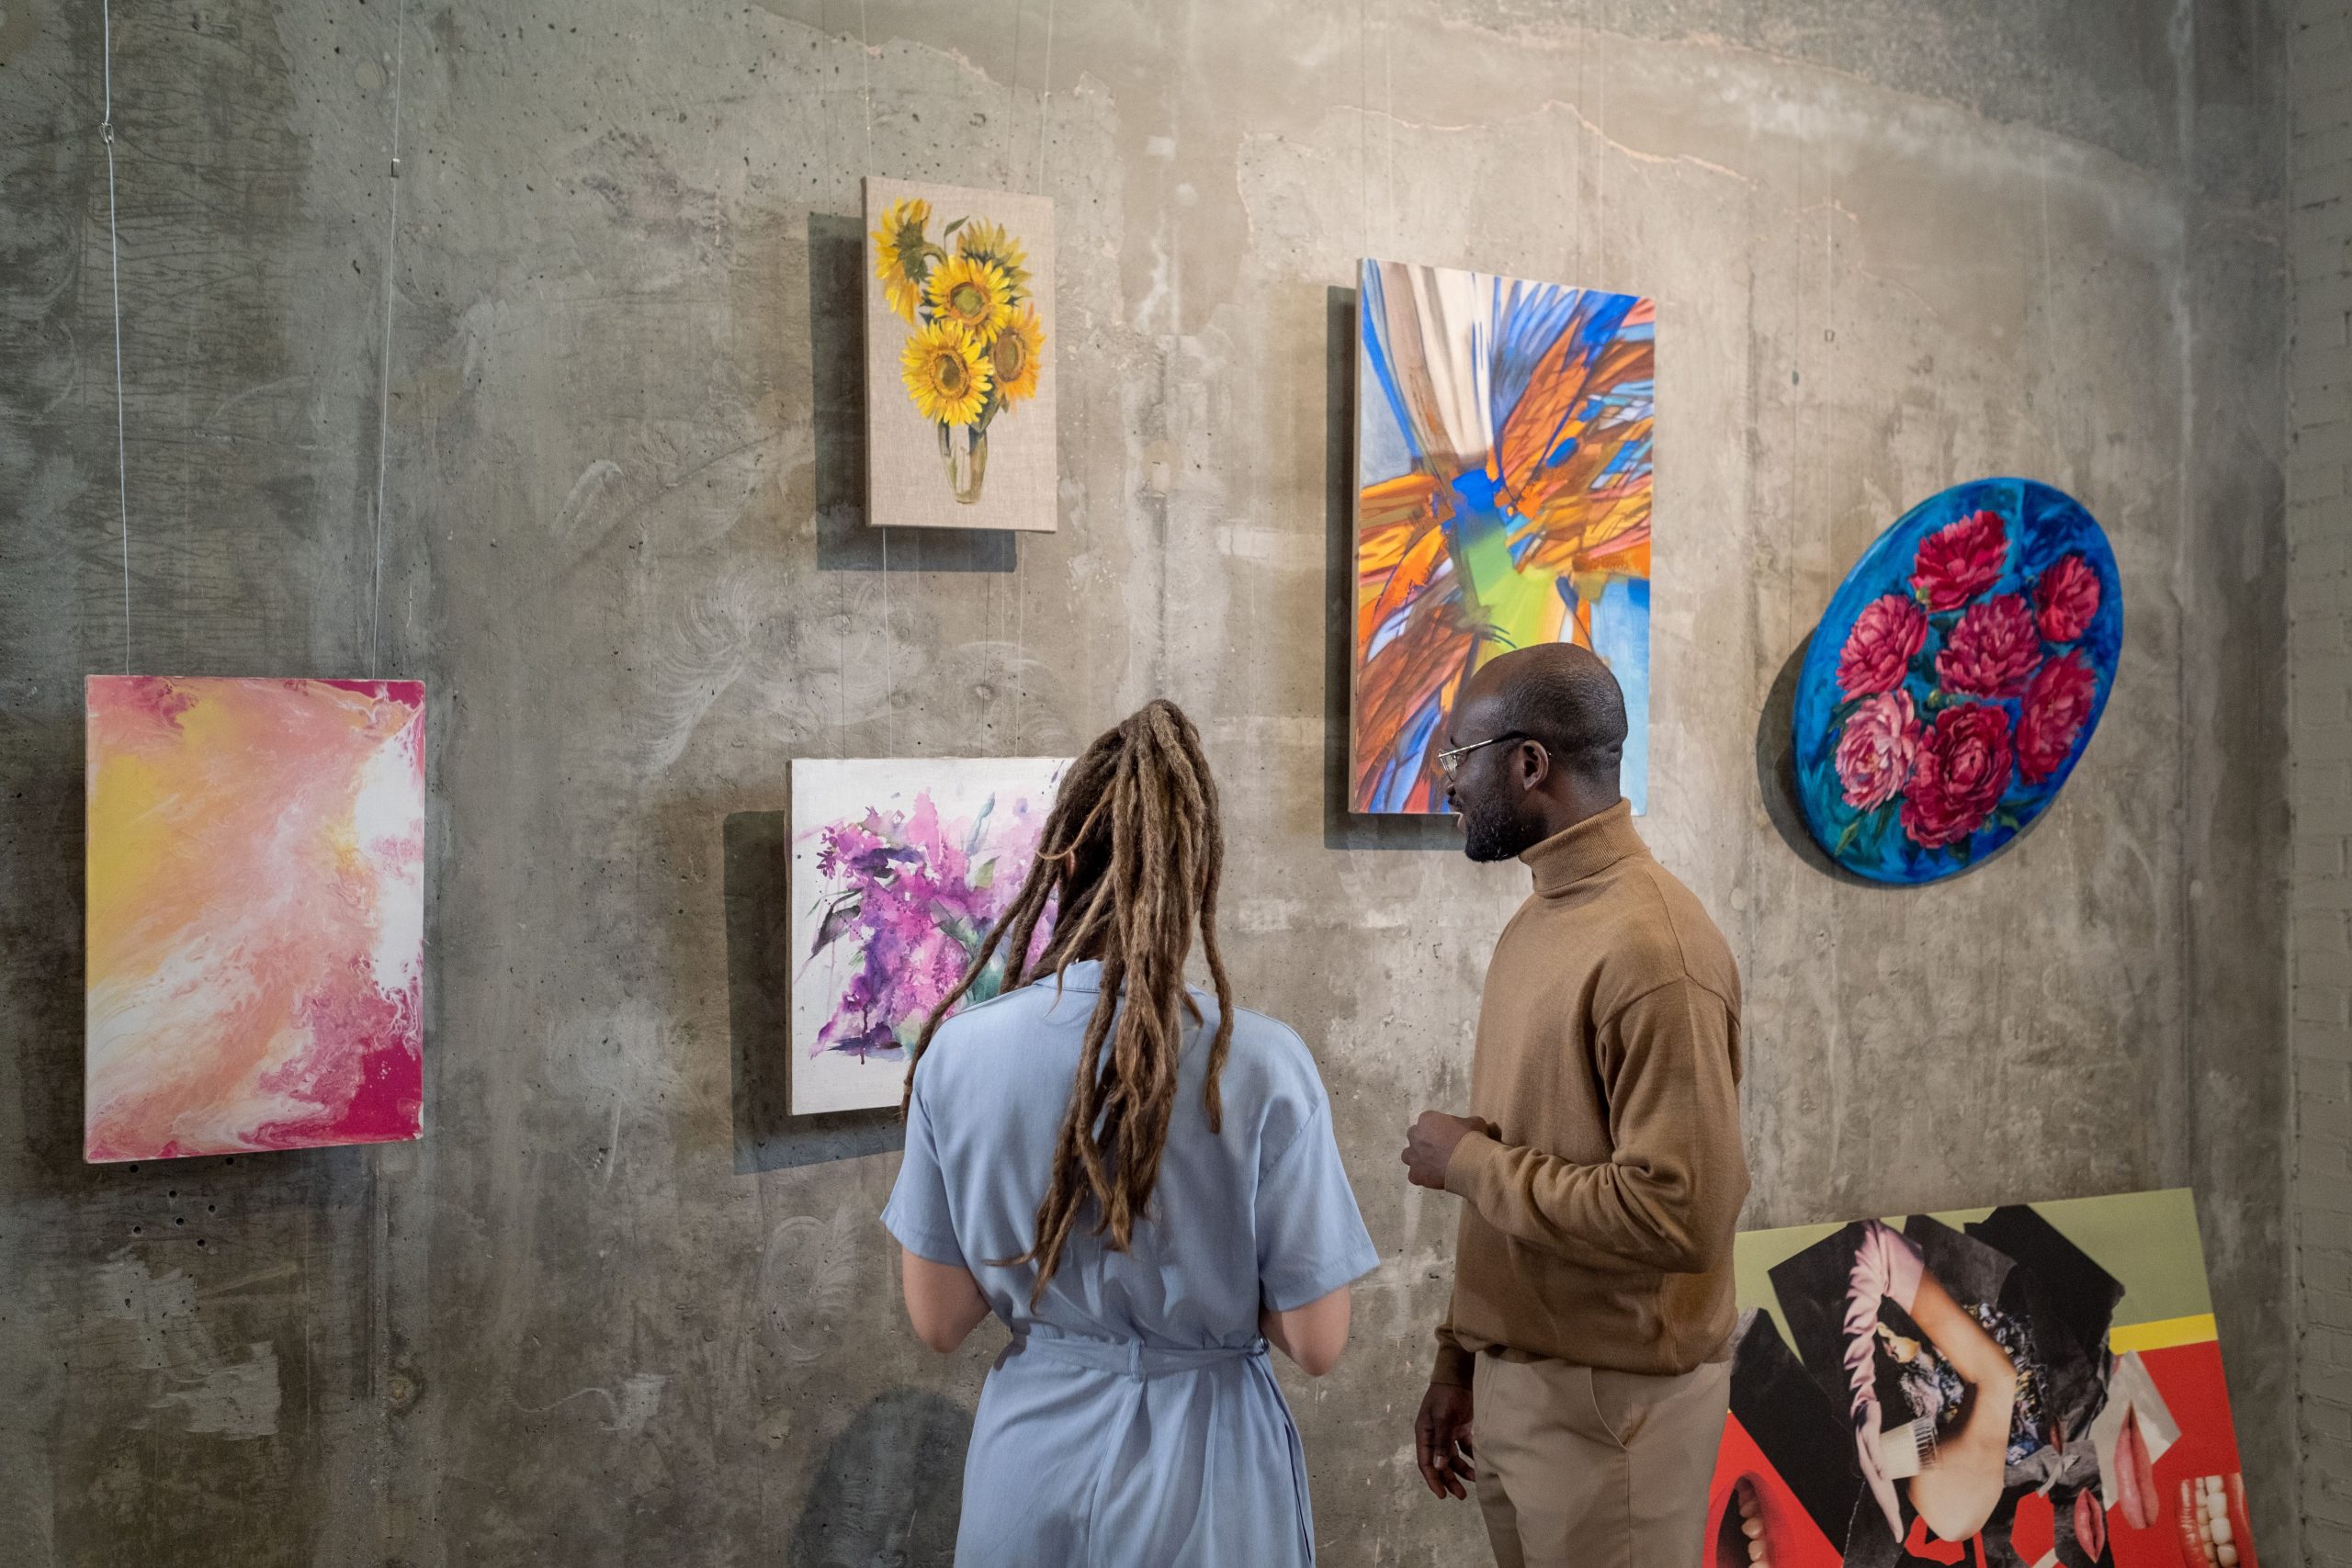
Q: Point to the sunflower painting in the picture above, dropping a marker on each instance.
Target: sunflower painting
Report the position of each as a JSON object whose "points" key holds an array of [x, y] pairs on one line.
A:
{"points": [[959, 396], [1502, 499]]}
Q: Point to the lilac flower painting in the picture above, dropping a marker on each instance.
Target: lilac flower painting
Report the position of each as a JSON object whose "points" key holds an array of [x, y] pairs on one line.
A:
{"points": [[899, 869]]}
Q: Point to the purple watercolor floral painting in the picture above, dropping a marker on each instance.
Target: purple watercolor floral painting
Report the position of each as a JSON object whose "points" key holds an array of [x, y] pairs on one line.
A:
{"points": [[899, 869]]}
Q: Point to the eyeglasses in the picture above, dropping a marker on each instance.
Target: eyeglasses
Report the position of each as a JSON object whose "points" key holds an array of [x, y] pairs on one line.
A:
{"points": [[1450, 762]]}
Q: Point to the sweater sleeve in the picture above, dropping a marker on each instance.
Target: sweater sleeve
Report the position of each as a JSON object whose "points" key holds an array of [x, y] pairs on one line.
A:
{"points": [[1454, 1362], [1669, 1195]]}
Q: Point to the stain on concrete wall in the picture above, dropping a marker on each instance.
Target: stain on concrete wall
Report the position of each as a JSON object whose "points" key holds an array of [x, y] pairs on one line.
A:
{"points": [[616, 1307]]}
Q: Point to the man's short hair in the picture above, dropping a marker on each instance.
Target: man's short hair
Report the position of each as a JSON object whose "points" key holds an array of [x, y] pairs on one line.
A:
{"points": [[1566, 697]]}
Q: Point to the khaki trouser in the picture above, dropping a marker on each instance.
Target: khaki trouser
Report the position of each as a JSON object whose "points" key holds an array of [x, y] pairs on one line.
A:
{"points": [[1595, 1468]]}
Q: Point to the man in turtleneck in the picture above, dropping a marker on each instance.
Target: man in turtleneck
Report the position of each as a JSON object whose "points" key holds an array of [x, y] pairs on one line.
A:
{"points": [[1582, 1370]]}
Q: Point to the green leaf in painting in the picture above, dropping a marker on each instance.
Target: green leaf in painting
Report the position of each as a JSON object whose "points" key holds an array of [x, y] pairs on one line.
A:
{"points": [[1846, 839], [839, 918], [952, 227]]}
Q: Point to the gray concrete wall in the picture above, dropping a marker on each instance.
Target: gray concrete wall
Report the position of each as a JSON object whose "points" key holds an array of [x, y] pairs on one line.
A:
{"points": [[2319, 669], [616, 1308]]}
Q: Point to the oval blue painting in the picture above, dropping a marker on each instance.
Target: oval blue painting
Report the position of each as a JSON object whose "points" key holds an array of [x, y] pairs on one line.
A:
{"points": [[1955, 678]]}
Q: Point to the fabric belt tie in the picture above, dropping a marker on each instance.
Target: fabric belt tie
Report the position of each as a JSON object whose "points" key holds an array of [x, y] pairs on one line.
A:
{"points": [[1133, 1357]]}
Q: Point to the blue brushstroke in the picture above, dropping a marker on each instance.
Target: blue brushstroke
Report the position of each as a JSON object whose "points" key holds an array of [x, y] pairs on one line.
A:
{"points": [[1620, 635], [1373, 352]]}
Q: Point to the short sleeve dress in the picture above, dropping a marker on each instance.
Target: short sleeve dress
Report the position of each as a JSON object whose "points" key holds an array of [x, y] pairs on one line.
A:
{"points": [[1133, 1420]]}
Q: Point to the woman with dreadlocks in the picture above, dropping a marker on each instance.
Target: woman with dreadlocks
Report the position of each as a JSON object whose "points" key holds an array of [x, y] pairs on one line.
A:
{"points": [[1142, 1181]]}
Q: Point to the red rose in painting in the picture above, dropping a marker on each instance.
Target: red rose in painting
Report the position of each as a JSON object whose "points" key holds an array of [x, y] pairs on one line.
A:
{"points": [[1992, 650], [1962, 770], [2065, 599], [1960, 560], [2057, 706], [1886, 635], [1875, 752]]}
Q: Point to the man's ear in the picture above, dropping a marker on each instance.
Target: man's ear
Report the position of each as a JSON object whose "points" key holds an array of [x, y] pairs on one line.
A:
{"points": [[1534, 764]]}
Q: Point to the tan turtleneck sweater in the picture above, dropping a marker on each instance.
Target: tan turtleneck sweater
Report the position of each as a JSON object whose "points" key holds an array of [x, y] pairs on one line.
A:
{"points": [[1598, 1222]]}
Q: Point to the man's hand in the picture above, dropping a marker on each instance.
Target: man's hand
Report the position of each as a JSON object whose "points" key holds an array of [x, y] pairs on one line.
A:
{"points": [[1442, 1440], [1428, 1145]]}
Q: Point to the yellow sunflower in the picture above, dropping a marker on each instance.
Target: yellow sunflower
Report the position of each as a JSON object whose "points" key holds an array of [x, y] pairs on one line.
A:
{"points": [[1016, 354], [992, 243], [901, 252], [947, 373], [972, 294]]}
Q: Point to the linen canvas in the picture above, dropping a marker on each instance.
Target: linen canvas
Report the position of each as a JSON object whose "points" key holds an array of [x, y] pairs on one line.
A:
{"points": [[2033, 1386], [960, 372], [1503, 435], [1955, 679], [255, 920], [899, 868]]}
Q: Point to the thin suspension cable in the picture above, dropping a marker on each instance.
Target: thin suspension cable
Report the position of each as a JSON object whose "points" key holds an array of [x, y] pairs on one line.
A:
{"points": [[114, 255], [384, 387]]}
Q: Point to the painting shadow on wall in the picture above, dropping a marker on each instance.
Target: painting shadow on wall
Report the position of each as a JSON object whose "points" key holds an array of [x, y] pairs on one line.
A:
{"points": [[1344, 830], [42, 907], [837, 404], [890, 1488], [759, 923], [1776, 781]]}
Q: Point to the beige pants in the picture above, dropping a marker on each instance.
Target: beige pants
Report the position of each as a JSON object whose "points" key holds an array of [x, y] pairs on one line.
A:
{"points": [[1595, 1468]]}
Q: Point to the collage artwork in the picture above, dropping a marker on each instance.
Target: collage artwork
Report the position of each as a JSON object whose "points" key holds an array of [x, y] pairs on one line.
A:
{"points": [[2036, 1386]]}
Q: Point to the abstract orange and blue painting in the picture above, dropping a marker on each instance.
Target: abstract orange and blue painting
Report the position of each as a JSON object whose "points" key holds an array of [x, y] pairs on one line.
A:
{"points": [[1503, 432], [254, 977]]}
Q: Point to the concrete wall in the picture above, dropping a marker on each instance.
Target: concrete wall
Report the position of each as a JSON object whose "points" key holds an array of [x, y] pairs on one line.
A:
{"points": [[2319, 729], [616, 1307]]}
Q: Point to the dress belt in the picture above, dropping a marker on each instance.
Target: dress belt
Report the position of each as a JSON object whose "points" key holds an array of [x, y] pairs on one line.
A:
{"points": [[1133, 1356]]}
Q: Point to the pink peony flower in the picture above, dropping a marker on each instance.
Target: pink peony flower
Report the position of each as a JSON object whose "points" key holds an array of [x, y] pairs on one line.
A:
{"points": [[1886, 635], [1877, 749], [2057, 706], [1963, 771], [1992, 650], [2066, 599], [1960, 560]]}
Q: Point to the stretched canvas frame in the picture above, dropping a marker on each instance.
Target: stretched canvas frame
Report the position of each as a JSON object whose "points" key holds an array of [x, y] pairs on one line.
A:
{"points": [[899, 867], [962, 347]]}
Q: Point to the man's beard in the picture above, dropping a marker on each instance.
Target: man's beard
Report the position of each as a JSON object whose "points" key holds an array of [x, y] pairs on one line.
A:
{"points": [[1499, 831]]}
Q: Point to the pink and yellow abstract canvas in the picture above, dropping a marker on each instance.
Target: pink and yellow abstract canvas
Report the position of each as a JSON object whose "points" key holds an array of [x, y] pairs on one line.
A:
{"points": [[256, 915]]}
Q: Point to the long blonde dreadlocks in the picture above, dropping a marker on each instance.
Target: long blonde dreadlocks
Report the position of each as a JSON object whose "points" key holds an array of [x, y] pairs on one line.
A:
{"points": [[1131, 856]]}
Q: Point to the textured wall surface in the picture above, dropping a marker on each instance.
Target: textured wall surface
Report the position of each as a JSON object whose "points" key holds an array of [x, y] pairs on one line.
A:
{"points": [[616, 1307], [2319, 678]]}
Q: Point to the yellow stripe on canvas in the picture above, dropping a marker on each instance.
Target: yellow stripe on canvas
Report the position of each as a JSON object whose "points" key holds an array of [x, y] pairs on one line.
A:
{"points": [[2163, 1334]]}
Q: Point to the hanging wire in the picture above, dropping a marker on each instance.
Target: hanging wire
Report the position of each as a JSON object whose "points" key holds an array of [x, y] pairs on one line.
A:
{"points": [[384, 388], [889, 637], [114, 254]]}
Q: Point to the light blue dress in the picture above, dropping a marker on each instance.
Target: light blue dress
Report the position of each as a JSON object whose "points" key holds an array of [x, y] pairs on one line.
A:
{"points": [[1134, 1421]]}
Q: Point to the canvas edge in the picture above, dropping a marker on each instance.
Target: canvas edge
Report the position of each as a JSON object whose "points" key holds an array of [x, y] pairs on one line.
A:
{"points": [[1353, 587]]}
